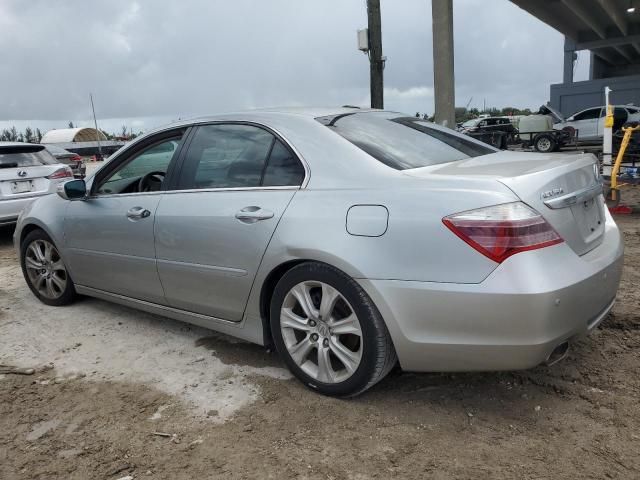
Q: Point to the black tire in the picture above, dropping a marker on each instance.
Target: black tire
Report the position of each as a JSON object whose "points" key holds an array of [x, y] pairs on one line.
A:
{"points": [[545, 143], [503, 142], [378, 354], [67, 295]]}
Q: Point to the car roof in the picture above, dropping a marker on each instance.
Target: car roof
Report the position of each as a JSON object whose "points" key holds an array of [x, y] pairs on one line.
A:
{"points": [[266, 114], [310, 112]]}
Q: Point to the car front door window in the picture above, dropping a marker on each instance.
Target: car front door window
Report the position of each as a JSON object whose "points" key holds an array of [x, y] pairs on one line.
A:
{"points": [[143, 172], [589, 114]]}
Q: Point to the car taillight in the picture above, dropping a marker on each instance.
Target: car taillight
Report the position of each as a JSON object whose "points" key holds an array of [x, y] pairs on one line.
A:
{"points": [[503, 230], [76, 158], [60, 173]]}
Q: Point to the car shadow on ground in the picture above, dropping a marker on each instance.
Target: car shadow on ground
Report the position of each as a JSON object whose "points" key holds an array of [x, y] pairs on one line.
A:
{"points": [[6, 236]]}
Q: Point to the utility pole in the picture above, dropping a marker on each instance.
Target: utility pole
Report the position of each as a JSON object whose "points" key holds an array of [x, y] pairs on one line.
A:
{"points": [[443, 72], [95, 122], [376, 60]]}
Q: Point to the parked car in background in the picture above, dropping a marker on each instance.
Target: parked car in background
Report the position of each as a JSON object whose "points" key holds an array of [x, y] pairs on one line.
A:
{"points": [[27, 171], [349, 239], [589, 123], [73, 160], [496, 131]]}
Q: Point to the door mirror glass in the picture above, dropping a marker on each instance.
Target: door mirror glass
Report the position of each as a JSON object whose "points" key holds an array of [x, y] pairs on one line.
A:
{"points": [[73, 190]]}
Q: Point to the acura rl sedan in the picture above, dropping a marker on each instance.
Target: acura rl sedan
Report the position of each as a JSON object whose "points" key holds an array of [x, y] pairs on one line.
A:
{"points": [[351, 240]]}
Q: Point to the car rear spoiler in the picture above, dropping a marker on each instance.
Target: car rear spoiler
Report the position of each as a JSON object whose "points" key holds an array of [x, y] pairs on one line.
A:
{"points": [[13, 148]]}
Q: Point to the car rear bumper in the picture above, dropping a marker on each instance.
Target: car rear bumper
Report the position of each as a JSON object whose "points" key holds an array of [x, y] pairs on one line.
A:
{"points": [[532, 303], [11, 208]]}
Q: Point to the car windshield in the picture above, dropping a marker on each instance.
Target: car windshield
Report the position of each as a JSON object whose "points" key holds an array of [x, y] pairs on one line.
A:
{"points": [[25, 156], [404, 142], [471, 123]]}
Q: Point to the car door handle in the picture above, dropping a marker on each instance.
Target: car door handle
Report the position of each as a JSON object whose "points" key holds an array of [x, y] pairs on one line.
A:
{"points": [[136, 213], [253, 214]]}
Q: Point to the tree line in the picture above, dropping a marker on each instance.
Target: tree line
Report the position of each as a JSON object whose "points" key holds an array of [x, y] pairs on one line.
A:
{"points": [[30, 135], [463, 114]]}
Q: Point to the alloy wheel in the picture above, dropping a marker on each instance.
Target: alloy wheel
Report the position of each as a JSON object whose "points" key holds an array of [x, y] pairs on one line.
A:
{"points": [[321, 332], [45, 269]]}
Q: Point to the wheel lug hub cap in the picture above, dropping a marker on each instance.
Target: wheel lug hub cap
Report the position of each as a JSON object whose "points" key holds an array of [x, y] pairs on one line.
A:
{"points": [[323, 329]]}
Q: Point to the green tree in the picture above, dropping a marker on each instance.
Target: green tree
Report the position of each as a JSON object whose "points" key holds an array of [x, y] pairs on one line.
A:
{"points": [[29, 136], [38, 135], [71, 124]]}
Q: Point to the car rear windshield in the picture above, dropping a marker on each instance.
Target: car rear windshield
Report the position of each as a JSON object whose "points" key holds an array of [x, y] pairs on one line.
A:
{"points": [[25, 156], [403, 142]]}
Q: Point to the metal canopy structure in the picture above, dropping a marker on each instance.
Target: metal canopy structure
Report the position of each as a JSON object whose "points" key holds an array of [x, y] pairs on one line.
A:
{"points": [[602, 26], [610, 32], [66, 135]]}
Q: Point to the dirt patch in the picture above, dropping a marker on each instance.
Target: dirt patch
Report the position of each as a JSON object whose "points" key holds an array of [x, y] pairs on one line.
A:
{"points": [[578, 419]]}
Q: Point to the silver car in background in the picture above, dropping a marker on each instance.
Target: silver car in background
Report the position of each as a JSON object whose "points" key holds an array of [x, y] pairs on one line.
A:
{"points": [[72, 159], [27, 171], [350, 239]]}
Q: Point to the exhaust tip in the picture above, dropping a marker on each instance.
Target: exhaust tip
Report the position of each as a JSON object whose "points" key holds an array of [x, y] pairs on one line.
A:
{"points": [[559, 353]]}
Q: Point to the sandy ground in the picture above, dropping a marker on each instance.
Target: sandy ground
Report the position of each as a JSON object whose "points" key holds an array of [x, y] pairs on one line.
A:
{"points": [[108, 377]]}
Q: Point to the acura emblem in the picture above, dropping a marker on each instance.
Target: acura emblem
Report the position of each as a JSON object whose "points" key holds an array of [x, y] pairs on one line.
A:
{"points": [[552, 193], [22, 173]]}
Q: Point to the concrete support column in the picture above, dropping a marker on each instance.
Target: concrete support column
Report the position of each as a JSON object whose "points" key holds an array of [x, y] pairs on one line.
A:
{"points": [[569, 57], [443, 67]]}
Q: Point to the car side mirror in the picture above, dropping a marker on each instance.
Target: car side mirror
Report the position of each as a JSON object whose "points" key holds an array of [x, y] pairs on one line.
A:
{"points": [[73, 190], [570, 119]]}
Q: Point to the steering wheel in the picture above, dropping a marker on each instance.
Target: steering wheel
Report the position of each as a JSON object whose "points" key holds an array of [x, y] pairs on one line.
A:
{"points": [[151, 182]]}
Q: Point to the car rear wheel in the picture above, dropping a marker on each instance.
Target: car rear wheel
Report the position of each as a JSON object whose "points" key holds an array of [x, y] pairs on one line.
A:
{"points": [[44, 270], [329, 332]]}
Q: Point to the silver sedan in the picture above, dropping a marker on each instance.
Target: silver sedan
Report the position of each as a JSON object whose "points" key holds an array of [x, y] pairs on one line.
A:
{"points": [[352, 240]]}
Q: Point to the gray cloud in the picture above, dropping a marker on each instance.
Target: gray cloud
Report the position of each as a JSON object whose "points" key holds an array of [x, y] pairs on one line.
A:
{"points": [[173, 59]]}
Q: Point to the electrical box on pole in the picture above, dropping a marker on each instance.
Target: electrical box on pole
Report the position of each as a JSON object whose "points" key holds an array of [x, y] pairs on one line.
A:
{"points": [[363, 40]]}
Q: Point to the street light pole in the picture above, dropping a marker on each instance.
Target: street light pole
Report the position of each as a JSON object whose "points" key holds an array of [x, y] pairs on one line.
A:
{"points": [[376, 61]]}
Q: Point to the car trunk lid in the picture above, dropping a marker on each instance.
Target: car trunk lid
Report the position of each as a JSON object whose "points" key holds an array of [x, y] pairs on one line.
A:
{"points": [[564, 188]]}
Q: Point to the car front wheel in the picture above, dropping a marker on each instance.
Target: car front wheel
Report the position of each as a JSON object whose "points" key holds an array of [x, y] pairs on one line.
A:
{"points": [[45, 271], [329, 332]]}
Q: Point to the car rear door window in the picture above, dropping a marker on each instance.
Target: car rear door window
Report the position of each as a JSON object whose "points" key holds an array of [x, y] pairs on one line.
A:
{"points": [[283, 168], [226, 156]]}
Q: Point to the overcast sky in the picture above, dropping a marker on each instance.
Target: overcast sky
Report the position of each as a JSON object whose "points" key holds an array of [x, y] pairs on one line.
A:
{"points": [[148, 62]]}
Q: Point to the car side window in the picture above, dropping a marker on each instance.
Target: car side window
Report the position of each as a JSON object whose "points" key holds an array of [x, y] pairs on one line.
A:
{"points": [[226, 156], [144, 171], [589, 114], [283, 168]]}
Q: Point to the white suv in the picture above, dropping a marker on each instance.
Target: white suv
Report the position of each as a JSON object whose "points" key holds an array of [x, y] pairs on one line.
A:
{"points": [[27, 171]]}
